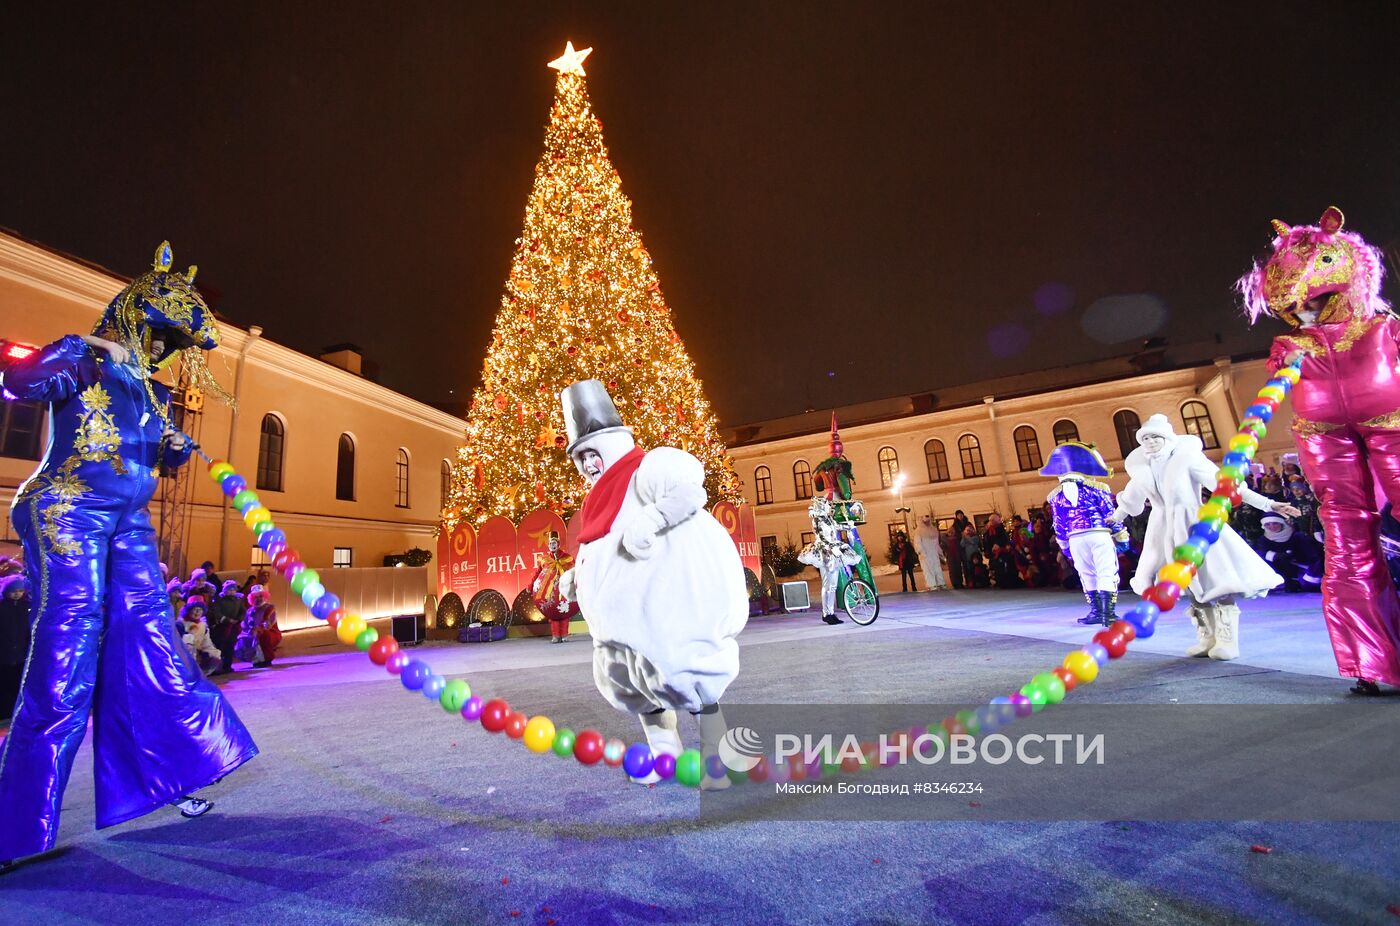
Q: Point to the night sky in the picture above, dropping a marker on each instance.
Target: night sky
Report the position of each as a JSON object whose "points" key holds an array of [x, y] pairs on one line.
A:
{"points": [[843, 201]]}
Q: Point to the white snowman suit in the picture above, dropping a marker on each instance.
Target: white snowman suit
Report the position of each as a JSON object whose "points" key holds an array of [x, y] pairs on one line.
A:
{"points": [[663, 591]]}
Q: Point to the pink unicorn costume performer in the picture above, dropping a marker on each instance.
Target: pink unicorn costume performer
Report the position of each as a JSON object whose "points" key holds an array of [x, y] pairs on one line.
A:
{"points": [[1325, 284], [657, 578]]}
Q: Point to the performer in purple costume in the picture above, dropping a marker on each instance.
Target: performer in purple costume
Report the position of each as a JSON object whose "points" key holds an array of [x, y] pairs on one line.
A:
{"points": [[103, 640], [1089, 535]]}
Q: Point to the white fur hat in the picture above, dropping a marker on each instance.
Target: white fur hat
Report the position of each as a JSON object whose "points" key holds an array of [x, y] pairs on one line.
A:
{"points": [[1156, 424]]}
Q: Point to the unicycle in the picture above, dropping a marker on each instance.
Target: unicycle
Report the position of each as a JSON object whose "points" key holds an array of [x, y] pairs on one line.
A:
{"points": [[860, 602]]}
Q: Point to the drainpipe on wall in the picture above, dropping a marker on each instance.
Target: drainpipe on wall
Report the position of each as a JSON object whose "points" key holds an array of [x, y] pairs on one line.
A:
{"points": [[990, 402], [1227, 379], [254, 332]]}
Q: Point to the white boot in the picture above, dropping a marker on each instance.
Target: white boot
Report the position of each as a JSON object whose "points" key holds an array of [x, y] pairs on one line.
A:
{"points": [[661, 737], [1227, 632], [712, 730], [1202, 616]]}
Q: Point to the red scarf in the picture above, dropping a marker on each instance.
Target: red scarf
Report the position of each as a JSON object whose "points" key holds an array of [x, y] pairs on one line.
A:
{"points": [[605, 500]]}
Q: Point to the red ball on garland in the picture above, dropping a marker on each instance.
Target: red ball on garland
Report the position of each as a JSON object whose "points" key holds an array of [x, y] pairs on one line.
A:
{"points": [[1066, 676], [515, 725], [1125, 630], [1164, 595], [494, 715], [280, 561], [588, 747], [380, 650], [333, 619], [1114, 643]]}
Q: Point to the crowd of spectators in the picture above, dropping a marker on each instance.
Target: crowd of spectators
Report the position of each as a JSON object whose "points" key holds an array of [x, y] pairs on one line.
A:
{"points": [[222, 622], [1023, 552]]}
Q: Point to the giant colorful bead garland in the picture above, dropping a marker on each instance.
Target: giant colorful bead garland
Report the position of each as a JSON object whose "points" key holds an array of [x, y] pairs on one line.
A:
{"points": [[539, 734]]}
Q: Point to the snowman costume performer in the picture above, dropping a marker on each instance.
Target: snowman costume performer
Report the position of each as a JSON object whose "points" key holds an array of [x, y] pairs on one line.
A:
{"points": [[1088, 533], [1171, 472], [657, 578], [829, 554], [928, 541]]}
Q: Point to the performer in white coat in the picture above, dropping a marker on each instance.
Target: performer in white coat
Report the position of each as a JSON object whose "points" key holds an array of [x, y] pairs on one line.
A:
{"points": [[926, 540], [1172, 472], [657, 578]]}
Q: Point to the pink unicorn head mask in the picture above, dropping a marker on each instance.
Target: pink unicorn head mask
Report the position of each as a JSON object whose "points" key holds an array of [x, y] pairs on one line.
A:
{"points": [[1316, 274]]}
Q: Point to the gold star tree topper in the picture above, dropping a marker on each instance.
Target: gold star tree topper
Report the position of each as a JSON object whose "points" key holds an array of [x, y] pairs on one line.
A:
{"points": [[570, 62]]}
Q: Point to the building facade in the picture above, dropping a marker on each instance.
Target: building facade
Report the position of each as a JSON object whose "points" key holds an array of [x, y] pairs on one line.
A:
{"points": [[352, 470], [978, 448]]}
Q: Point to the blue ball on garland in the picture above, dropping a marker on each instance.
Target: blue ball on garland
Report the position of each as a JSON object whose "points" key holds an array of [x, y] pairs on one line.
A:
{"points": [[415, 674], [638, 760], [232, 484], [1209, 533], [1234, 458], [1143, 617], [271, 538]]}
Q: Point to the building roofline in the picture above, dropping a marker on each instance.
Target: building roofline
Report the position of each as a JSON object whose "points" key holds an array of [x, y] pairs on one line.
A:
{"points": [[816, 422], [34, 264]]}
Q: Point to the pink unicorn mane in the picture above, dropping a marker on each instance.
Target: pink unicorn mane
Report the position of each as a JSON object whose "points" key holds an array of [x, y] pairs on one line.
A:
{"points": [[1370, 267]]}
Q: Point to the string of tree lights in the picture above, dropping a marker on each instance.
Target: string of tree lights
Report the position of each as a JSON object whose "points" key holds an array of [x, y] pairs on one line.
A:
{"points": [[583, 301]]}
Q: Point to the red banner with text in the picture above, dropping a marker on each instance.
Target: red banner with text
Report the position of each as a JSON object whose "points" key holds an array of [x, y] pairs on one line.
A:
{"points": [[504, 557]]}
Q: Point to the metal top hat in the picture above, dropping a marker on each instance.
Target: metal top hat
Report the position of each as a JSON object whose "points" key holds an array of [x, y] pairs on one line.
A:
{"points": [[589, 411]]}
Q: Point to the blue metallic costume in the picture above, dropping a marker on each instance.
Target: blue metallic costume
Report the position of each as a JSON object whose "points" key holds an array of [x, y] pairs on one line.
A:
{"points": [[103, 638]]}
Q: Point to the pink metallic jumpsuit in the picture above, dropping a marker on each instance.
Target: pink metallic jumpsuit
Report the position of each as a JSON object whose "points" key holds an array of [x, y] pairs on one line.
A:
{"points": [[1347, 428]]}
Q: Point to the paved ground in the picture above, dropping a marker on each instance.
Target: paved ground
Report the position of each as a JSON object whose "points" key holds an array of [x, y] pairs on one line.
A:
{"points": [[369, 805]]}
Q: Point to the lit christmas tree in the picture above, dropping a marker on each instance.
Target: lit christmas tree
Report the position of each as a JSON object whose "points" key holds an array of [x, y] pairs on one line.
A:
{"points": [[582, 302]]}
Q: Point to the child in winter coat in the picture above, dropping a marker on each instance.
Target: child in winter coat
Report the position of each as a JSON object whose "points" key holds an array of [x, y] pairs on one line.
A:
{"points": [[196, 637]]}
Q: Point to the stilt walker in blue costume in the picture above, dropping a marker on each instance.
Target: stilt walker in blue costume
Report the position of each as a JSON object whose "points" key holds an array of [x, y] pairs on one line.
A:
{"points": [[103, 641]]}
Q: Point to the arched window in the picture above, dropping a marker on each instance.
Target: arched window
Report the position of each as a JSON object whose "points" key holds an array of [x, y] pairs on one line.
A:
{"points": [[889, 466], [271, 450], [1065, 431], [970, 453], [1027, 448], [345, 469], [801, 480], [1198, 422], [401, 479], [763, 485], [446, 483], [1126, 424], [937, 459]]}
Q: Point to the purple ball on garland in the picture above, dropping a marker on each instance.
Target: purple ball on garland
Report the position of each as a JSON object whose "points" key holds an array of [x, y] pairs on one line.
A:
{"points": [[397, 662], [665, 766], [714, 767], [471, 709], [1022, 705]]}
